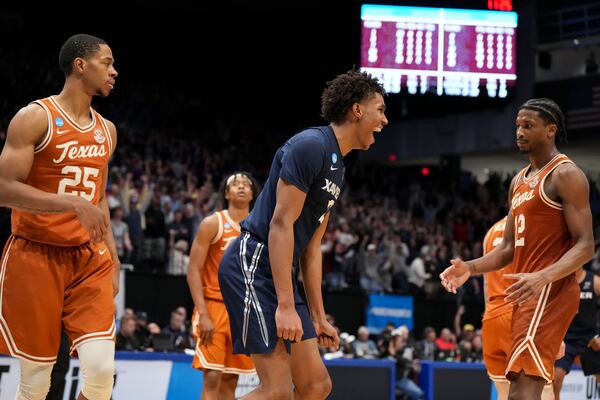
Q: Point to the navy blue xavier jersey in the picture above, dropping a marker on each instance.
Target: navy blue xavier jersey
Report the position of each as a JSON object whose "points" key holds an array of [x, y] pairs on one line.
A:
{"points": [[585, 323], [311, 161]]}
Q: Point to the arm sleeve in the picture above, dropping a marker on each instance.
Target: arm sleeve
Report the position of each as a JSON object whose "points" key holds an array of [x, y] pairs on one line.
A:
{"points": [[302, 162]]}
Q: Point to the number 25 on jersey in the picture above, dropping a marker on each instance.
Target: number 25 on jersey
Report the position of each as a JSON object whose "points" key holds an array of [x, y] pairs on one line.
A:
{"points": [[82, 175]]}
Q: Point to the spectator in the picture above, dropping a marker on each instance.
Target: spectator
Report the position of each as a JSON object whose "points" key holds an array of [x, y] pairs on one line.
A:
{"points": [[154, 236], [126, 339], [363, 346], [446, 345], [373, 278], [180, 336], [153, 329], [177, 229], [385, 336], [178, 258], [407, 363], [121, 234], [417, 275], [142, 333], [427, 347]]}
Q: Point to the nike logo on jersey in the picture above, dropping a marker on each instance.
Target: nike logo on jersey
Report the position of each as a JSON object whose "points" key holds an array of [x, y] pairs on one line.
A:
{"points": [[102, 252], [61, 131], [333, 169]]}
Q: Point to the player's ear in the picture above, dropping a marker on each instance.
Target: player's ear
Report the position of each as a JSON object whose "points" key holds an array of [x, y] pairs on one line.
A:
{"points": [[357, 111], [79, 65], [551, 131]]}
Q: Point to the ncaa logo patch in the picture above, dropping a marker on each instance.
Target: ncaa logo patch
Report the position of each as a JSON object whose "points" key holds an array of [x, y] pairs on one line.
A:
{"points": [[59, 122], [333, 158], [534, 182], [99, 136], [227, 225]]}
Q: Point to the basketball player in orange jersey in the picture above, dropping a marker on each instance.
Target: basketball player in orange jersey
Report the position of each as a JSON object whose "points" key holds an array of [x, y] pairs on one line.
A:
{"points": [[210, 320], [497, 319], [548, 236], [60, 264]]}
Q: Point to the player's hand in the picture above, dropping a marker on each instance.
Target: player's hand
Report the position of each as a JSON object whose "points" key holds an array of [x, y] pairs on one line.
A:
{"points": [[289, 326], [455, 275], [205, 329], [561, 350], [594, 344], [92, 218], [525, 288], [326, 334]]}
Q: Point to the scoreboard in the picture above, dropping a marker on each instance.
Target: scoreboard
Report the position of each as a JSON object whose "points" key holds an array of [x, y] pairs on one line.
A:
{"points": [[439, 50]]}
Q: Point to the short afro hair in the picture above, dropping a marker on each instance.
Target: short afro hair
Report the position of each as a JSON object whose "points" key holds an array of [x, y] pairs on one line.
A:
{"points": [[77, 46], [345, 90]]}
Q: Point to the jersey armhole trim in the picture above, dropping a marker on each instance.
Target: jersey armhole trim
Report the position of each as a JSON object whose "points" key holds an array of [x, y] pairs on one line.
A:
{"points": [[549, 202], [48, 135], [108, 135], [220, 231]]}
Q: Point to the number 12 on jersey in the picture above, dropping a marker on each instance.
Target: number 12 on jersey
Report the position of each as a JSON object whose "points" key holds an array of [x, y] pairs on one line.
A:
{"points": [[519, 229]]}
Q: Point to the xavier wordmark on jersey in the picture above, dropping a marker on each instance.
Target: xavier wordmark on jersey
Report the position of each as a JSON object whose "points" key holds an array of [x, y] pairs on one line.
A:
{"points": [[332, 188]]}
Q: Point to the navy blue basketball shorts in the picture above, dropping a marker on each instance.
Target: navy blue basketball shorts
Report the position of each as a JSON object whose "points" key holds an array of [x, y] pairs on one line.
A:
{"points": [[590, 359], [249, 294]]}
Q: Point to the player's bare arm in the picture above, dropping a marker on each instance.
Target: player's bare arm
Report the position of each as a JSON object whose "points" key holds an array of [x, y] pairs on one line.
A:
{"points": [[311, 264], [25, 131], [290, 201], [206, 233], [109, 239], [569, 184], [459, 272]]}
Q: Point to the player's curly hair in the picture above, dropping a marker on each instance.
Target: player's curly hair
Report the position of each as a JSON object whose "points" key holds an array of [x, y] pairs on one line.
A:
{"points": [[345, 90], [550, 112], [224, 186], [77, 46]]}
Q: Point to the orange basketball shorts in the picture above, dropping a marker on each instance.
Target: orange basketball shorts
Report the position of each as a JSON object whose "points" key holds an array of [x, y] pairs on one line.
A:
{"points": [[539, 327], [496, 345], [219, 354], [45, 288]]}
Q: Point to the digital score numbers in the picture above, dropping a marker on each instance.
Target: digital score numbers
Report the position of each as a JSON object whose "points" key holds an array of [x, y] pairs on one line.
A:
{"points": [[445, 51]]}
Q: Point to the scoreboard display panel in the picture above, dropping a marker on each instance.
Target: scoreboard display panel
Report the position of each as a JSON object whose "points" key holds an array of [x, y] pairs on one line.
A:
{"points": [[444, 51]]}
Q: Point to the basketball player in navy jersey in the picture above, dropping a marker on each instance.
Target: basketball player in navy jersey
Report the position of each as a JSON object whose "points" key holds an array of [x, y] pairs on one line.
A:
{"points": [[268, 318], [582, 336]]}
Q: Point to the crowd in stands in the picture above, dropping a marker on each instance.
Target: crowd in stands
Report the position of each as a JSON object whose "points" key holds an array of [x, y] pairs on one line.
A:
{"points": [[399, 345], [392, 231], [136, 333]]}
